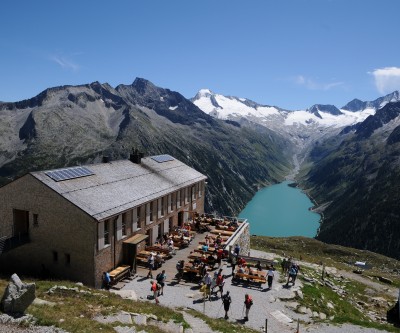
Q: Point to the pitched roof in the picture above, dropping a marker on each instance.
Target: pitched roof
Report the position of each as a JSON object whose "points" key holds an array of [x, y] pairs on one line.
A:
{"points": [[120, 185]]}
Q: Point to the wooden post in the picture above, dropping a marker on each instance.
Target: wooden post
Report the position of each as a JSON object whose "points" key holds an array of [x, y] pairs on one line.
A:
{"points": [[323, 271], [266, 325], [298, 326]]}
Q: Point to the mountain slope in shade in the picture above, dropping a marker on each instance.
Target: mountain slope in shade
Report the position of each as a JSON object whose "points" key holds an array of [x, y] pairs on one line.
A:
{"points": [[72, 125], [354, 179]]}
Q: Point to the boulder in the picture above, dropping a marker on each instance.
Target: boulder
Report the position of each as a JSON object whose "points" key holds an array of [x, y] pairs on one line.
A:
{"points": [[385, 280], [17, 296]]}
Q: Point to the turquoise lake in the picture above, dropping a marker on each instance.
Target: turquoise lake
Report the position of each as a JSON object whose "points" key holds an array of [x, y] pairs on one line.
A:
{"points": [[281, 211]]}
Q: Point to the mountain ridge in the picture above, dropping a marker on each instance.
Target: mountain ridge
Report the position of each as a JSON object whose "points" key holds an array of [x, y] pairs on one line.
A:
{"points": [[73, 125]]}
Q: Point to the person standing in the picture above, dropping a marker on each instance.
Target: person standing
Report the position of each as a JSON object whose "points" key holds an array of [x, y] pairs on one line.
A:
{"points": [[283, 265], [236, 250], [106, 280], [233, 263], [150, 263], [161, 277], [220, 281], [248, 302], [292, 275], [226, 300], [154, 289], [270, 276], [207, 282], [158, 261], [180, 267]]}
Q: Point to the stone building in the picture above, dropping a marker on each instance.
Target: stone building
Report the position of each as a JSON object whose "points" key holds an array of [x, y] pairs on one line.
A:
{"points": [[73, 223]]}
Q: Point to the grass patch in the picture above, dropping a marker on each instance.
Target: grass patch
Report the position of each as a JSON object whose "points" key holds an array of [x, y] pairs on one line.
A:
{"points": [[341, 257], [74, 311]]}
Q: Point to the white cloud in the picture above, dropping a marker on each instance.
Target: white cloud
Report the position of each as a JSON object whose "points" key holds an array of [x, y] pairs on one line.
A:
{"points": [[65, 63], [312, 84], [387, 79]]}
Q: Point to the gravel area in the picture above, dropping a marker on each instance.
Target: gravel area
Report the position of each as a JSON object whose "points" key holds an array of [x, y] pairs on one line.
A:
{"points": [[273, 305]]}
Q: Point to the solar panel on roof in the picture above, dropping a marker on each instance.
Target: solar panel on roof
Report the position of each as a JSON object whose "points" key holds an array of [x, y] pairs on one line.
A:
{"points": [[162, 158], [69, 173]]}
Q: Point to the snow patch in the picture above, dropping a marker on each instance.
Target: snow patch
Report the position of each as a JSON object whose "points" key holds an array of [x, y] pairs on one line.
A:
{"points": [[172, 108]]}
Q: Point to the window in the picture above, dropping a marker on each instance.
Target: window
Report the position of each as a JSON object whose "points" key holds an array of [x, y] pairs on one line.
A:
{"points": [[193, 193], [171, 201], [138, 211], [123, 224], [151, 211], [67, 259], [106, 232], [35, 220], [162, 206], [186, 195], [55, 256]]}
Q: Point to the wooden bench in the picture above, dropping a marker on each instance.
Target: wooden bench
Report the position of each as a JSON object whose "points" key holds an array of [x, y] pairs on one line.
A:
{"points": [[119, 273], [243, 277], [203, 252], [165, 253]]}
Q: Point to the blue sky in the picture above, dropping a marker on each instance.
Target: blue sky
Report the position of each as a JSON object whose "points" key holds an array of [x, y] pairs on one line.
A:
{"points": [[288, 53]]}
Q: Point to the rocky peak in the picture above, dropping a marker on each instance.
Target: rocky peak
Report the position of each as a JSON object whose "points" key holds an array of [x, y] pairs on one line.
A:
{"points": [[144, 87], [355, 105], [358, 105], [327, 108]]}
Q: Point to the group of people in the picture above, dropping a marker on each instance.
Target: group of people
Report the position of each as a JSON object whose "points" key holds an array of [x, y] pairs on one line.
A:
{"points": [[227, 300], [215, 242], [290, 269], [157, 285]]}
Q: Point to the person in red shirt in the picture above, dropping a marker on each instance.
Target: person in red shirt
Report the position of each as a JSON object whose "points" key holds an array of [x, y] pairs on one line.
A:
{"points": [[220, 282], [248, 302], [154, 289], [241, 262]]}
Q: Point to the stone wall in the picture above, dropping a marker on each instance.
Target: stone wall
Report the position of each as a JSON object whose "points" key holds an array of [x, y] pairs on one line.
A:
{"points": [[241, 237]]}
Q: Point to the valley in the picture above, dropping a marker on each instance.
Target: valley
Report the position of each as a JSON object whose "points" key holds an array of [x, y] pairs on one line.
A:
{"points": [[345, 158]]}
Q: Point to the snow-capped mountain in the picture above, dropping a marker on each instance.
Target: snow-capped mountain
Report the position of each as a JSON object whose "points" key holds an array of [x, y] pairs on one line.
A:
{"points": [[356, 105], [301, 126]]}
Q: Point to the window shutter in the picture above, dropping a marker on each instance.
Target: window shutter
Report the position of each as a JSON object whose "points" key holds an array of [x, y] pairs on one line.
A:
{"points": [[134, 219], [100, 233], [119, 227], [148, 213]]}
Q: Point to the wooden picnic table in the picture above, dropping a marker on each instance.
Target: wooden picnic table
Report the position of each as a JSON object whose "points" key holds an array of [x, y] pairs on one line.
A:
{"points": [[203, 252], [195, 255], [119, 273], [222, 243], [210, 249], [225, 227], [222, 232]]}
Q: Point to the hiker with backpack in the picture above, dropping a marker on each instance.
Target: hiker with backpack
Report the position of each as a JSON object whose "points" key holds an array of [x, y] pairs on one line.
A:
{"points": [[155, 287], [248, 302], [292, 274], [226, 300], [161, 277]]}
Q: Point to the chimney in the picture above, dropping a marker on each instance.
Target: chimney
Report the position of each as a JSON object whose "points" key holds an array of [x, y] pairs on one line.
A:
{"points": [[136, 157], [105, 159]]}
